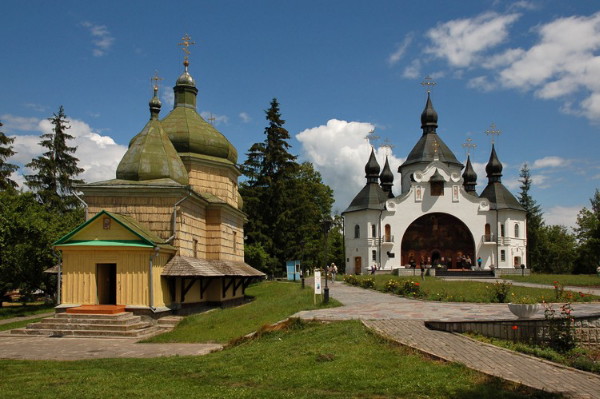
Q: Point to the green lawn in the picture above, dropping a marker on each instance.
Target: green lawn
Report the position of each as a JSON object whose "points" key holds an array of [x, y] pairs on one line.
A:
{"points": [[274, 301], [9, 310], [436, 289], [583, 280], [18, 324], [335, 360]]}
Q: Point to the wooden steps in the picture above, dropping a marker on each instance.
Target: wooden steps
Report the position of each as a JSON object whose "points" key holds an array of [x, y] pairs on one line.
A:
{"points": [[120, 325], [97, 309]]}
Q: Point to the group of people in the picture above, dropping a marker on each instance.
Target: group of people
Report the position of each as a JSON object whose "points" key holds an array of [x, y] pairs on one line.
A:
{"points": [[462, 262], [332, 271]]}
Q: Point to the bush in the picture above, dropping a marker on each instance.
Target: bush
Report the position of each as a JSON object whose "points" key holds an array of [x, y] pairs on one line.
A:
{"points": [[561, 329], [351, 279], [500, 291], [392, 286], [403, 287], [367, 283]]}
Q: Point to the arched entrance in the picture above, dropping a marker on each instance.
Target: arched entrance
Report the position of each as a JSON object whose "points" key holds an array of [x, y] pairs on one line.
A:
{"points": [[436, 236]]}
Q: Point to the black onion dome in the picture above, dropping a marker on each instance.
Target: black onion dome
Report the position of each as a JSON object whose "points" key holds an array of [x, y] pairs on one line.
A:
{"points": [[372, 168], [429, 117], [386, 175], [494, 167], [469, 176]]}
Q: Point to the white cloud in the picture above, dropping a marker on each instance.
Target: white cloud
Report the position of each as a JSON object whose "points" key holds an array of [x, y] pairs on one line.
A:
{"points": [[245, 117], [98, 155], [103, 40], [562, 215], [36, 107], [168, 97], [549, 162], [400, 49], [339, 151], [413, 70], [13, 122], [481, 83], [540, 181], [461, 41], [218, 119]]}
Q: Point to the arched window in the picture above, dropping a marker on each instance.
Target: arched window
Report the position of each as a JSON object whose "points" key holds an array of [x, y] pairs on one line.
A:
{"points": [[488, 233], [517, 230], [388, 233], [357, 231]]}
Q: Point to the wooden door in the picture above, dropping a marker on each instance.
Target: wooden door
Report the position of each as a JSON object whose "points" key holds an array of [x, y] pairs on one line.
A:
{"points": [[357, 265]]}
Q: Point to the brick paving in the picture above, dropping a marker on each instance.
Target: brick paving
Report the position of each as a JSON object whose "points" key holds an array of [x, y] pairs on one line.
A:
{"points": [[402, 320]]}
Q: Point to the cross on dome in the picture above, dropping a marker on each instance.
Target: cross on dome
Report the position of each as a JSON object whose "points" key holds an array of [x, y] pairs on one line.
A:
{"points": [[428, 83], [468, 145], [493, 131], [186, 42]]}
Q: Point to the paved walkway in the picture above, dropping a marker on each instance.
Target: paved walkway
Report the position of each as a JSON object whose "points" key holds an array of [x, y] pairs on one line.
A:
{"points": [[401, 320], [48, 348]]}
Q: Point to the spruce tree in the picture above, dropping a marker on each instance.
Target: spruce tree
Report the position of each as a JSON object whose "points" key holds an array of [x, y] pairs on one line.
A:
{"points": [[535, 221], [6, 169], [56, 168]]}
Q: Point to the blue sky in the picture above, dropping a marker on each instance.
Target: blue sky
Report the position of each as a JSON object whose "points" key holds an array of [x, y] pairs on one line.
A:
{"points": [[338, 68]]}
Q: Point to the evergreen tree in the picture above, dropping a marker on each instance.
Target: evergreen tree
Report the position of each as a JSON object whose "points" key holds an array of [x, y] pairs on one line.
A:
{"points": [[56, 168], [6, 169], [284, 201], [588, 237], [535, 221]]}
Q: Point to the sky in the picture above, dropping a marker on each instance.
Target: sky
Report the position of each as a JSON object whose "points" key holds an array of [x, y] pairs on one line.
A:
{"points": [[339, 69]]}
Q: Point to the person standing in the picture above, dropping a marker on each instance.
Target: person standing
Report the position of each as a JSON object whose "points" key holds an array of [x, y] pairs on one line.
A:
{"points": [[479, 262], [334, 271]]}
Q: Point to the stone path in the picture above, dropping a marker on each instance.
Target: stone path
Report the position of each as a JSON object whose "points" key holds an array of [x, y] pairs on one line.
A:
{"points": [[48, 348], [401, 320]]}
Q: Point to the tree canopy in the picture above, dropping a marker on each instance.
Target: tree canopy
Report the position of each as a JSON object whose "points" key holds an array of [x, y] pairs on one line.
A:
{"points": [[535, 220], [588, 237], [6, 169]]}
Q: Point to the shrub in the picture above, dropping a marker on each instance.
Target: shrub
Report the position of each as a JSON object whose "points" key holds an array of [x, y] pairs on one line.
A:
{"points": [[410, 288], [351, 279], [561, 334], [391, 286], [500, 291], [367, 283], [559, 290]]}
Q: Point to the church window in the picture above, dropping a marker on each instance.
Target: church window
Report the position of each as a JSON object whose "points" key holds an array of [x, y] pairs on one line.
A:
{"points": [[488, 233], [502, 230], [503, 255], [437, 189], [373, 230], [388, 233], [517, 230], [357, 231], [374, 255]]}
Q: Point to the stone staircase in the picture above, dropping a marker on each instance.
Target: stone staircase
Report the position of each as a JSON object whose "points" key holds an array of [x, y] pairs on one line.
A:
{"points": [[120, 325]]}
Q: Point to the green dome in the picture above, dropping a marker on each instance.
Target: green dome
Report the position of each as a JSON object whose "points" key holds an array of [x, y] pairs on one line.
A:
{"points": [[151, 154], [186, 129]]}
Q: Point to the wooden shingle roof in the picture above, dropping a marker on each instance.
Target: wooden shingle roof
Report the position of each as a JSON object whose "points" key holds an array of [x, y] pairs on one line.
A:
{"points": [[183, 266]]}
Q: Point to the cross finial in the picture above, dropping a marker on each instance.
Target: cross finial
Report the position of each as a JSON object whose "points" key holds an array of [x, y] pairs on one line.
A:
{"points": [[469, 145], [493, 131], [387, 144], [186, 41], [154, 80], [211, 119], [428, 83]]}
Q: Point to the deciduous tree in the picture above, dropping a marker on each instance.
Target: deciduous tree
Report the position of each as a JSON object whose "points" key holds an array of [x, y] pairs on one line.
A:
{"points": [[588, 237]]}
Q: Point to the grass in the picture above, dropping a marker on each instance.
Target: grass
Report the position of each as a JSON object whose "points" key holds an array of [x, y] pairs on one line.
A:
{"points": [[9, 309], [18, 324], [435, 289], [587, 359], [581, 280], [336, 360], [274, 301]]}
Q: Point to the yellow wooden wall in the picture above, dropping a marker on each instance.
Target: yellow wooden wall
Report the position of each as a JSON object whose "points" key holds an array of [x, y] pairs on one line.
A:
{"points": [[79, 275], [209, 177]]}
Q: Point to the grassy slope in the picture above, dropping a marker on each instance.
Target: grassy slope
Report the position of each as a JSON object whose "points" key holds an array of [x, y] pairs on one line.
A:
{"points": [[337, 360], [16, 310], [274, 301]]}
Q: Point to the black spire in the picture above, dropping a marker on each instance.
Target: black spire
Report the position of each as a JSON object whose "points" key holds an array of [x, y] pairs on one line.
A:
{"points": [[469, 177], [494, 167], [429, 117], [372, 168], [387, 179]]}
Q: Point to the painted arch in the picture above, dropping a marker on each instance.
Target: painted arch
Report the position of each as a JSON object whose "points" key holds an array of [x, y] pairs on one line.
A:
{"points": [[437, 235]]}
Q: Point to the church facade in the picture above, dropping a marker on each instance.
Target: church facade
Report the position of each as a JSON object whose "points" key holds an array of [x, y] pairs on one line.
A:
{"points": [[438, 219], [167, 233]]}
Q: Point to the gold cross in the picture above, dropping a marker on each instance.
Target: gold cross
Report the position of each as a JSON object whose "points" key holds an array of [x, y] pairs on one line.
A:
{"points": [[493, 131], [155, 79], [387, 144], [428, 83], [469, 145], [211, 119], [186, 41]]}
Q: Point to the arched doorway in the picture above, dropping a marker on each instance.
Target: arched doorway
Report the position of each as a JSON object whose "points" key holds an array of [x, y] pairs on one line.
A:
{"points": [[436, 236]]}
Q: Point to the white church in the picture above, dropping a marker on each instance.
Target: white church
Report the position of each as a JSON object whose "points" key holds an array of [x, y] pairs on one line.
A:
{"points": [[438, 218]]}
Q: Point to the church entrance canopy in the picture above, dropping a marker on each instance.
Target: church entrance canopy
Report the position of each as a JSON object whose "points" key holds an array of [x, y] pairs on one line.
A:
{"points": [[435, 236]]}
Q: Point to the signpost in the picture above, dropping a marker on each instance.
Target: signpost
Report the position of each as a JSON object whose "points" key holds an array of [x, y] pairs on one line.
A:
{"points": [[317, 285]]}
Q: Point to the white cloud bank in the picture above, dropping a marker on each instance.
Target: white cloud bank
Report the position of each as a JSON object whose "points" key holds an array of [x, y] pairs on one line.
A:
{"points": [[102, 38], [98, 155], [339, 151], [562, 215]]}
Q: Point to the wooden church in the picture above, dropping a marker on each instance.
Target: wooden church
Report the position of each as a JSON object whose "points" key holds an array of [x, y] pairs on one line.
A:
{"points": [[167, 233]]}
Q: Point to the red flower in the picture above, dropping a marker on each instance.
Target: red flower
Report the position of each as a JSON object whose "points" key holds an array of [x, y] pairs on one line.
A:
{"points": [[417, 284], [515, 327]]}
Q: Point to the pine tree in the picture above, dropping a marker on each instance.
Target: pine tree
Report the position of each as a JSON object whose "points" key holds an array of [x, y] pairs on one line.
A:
{"points": [[535, 221], [6, 169], [588, 237], [56, 168], [284, 201]]}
